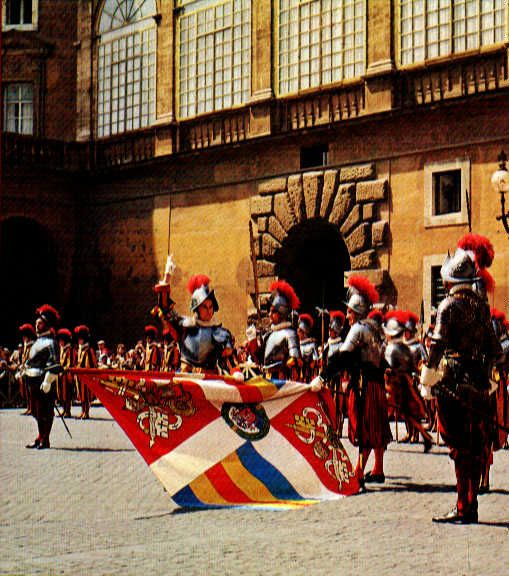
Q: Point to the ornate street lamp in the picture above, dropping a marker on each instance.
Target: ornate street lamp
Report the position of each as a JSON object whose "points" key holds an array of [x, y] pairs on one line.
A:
{"points": [[500, 183]]}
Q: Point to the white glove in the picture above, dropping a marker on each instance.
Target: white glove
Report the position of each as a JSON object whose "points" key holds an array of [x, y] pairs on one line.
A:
{"points": [[238, 376], [429, 378], [316, 384], [49, 378]]}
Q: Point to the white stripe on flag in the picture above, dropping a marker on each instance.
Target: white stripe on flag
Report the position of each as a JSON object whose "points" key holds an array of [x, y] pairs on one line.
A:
{"points": [[291, 463], [196, 455]]}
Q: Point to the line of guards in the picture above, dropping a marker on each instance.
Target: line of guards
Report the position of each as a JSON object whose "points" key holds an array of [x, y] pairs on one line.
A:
{"points": [[454, 378]]}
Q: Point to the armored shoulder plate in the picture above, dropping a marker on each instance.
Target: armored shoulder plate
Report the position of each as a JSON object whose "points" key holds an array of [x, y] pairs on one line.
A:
{"points": [[399, 357], [280, 345]]}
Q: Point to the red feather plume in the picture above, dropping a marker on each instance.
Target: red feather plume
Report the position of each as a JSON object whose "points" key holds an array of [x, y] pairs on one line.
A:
{"points": [[287, 291], [480, 246], [308, 319], [64, 332], [337, 314], [196, 281], [364, 287], [401, 316], [27, 328], [46, 308], [376, 315], [487, 278]]}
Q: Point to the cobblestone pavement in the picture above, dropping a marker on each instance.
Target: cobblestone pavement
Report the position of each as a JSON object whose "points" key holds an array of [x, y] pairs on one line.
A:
{"points": [[91, 506]]}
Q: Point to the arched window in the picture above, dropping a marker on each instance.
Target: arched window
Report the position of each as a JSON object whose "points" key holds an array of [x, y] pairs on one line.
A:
{"points": [[214, 40], [126, 94], [319, 42]]}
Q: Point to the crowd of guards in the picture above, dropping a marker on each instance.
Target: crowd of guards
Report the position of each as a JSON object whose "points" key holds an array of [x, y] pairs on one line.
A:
{"points": [[379, 363]]}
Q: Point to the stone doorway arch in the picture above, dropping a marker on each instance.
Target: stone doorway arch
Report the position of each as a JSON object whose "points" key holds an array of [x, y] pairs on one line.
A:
{"points": [[313, 259], [29, 264], [351, 199]]}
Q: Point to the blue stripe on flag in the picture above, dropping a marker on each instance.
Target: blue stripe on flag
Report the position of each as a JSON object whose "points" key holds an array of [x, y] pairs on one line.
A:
{"points": [[186, 498], [268, 474]]}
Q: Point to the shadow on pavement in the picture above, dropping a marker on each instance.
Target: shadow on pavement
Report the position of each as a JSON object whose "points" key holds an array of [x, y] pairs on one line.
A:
{"points": [[392, 486]]}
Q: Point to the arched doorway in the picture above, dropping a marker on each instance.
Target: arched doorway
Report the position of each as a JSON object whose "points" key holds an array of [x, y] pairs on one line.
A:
{"points": [[29, 274], [313, 259]]}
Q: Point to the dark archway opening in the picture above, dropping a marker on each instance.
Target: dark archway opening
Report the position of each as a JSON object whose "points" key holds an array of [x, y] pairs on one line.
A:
{"points": [[313, 259], [29, 274]]}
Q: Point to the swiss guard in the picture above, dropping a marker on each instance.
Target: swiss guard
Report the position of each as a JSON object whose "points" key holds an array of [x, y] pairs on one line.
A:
{"points": [[28, 336], [41, 372], [308, 348], [153, 354], [280, 344], [85, 358], [361, 355], [462, 351], [65, 379], [205, 346], [404, 399]]}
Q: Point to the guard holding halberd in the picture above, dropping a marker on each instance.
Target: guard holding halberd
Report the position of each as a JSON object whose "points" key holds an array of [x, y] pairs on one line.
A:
{"points": [[463, 349], [41, 371], [280, 344]]}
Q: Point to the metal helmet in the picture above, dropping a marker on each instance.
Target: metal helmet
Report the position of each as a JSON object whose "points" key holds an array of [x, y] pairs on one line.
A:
{"points": [[460, 268], [337, 319], [411, 323], [361, 295], [199, 287], [283, 298], [395, 323], [306, 323]]}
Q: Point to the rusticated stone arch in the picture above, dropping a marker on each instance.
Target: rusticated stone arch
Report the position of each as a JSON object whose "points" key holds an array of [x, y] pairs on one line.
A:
{"points": [[350, 198]]}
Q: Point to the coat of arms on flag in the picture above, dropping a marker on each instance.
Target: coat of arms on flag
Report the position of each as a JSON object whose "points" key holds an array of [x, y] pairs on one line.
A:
{"points": [[214, 442]]}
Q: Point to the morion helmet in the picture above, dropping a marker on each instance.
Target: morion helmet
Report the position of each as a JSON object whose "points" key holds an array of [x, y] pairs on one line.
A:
{"points": [[49, 315], [27, 330], [337, 320], [306, 323], [361, 295], [283, 298], [459, 268], [395, 322], [199, 288]]}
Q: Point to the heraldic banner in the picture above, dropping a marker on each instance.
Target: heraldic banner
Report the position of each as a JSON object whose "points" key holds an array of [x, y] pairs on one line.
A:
{"points": [[214, 442]]}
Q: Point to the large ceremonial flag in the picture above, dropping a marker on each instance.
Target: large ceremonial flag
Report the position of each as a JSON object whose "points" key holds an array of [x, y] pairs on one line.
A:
{"points": [[214, 442]]}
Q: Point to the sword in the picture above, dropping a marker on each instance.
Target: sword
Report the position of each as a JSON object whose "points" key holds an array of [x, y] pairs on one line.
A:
{"points": [[63, 420]]}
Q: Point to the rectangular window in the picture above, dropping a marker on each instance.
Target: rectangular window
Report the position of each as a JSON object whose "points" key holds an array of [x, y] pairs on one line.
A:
{"points": [[320, 42], [313, 156], [214, 56], [19, 108], [21, 14], [438, 292], [435, 28], [446, 192], [446, 185]]}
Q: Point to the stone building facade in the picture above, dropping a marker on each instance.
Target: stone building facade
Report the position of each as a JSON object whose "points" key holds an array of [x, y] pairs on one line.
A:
{"points": [[336, 177]]}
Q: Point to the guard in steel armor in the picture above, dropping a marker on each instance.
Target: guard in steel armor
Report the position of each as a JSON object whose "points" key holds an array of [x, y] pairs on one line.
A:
{"points": [[361, 355], [171, 352], [403, 398], [331, 350], [308, 348], [85, 358], [65, 379], [153, 355], [463, 349], [28, 336], [41, 372], [280, 344], [205, 346]]}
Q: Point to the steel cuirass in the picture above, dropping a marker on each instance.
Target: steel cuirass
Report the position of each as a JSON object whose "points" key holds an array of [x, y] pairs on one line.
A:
{"points": [[280, 344], [399, 357], [43, 357], [364, 339], [308, 350], [202, 346]]}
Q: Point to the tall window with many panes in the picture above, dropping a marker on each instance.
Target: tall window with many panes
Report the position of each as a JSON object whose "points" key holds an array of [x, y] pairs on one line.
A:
{"points": [[319, 42], [434, 28], [214, 55], [19, 108], [126, 75]]}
